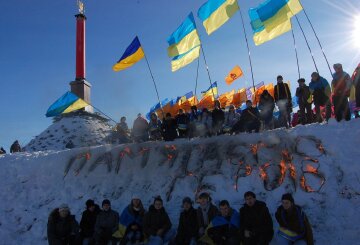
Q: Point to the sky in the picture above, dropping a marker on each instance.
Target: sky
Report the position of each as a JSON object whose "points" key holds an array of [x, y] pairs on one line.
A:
{"points": [[37, 54]]}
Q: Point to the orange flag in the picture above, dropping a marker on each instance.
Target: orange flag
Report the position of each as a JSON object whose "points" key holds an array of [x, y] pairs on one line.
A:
{"points": [[234, 74]]}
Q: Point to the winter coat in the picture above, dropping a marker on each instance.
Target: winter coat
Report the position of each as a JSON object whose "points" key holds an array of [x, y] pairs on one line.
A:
{"points": [[282, 92], [129, 216], [218, 117], [225, 229], [296, 221], [88, 220], [266, 107], [2, 151], [15, 147], [303, 94], [182, 119], [140, 127], [250, 115], [156, 219], [341, 84], [107, 222], [211, 213], [231, 118], [257, 220], [188, 227], [320, 91], [154, 128], [193, 116], [60, 230], [169, 127]]}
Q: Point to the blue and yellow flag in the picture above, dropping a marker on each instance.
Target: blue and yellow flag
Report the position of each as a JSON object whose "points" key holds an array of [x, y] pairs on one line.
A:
{"points": [[133, 54], [272, 18], [184, 59], [212, 90], [67, 103], [214, 13], [184, 38]]}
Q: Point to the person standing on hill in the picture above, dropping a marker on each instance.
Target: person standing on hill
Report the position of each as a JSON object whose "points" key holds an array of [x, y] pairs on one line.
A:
{"points": [[123, 132], [304, 97], [295, 228], [282, 96], [321, 92], [182, 121], [231, 118], [140, 129], [15, 147], [155, 127], [2, 151], [169, 127], [266, 108], [218, 118], [341, 85], [87, 223], [356, 81]]}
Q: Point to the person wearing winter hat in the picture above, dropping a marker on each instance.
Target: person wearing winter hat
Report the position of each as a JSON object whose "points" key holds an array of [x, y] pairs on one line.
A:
{"points": [[205, 213], [157, 224], [295, 228], [107, 222], [62, 227], [131, 222], [87, 223], [187, 232]]}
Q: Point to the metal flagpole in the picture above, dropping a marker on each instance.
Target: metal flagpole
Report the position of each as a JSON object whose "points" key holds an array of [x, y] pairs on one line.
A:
{"points": [[307, 43], [296, 53], [312, 27], [197, 75], [207, 68]]}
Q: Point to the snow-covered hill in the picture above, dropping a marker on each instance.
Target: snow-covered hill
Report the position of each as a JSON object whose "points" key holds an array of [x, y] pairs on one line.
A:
{"points": [[32, 184], [82, 128]]}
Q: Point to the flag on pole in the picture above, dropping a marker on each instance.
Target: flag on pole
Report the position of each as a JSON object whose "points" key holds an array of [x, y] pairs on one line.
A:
{"points": [[234, 74], [212, 90], [132, 54], [184, 59], [184, 38], [215, 13], [67, 103], [272, 18]]}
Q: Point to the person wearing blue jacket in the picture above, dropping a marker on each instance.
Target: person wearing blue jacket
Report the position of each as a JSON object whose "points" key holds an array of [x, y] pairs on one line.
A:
{"points": [[224, 229], [321, 92]]}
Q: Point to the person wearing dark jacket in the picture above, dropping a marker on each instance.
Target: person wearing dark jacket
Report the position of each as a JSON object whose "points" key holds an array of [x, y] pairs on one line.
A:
{"points": [[205, 212], [341, 85], [2, 151], [282, 96], [187, 232], [304, 97], [321, 92], [62, 227], [157, 224], [169, 127], [250, 118], [107, 222], [266, 108], [155, 127], [193, 120], [87, 223], [256, 226], [15, 147], [218, 118], [356, 81], [295, 228], [132, 220], [182, 121], [225, 227]]}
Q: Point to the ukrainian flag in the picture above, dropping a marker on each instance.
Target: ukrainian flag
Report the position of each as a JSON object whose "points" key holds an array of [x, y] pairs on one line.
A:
{"points": [[212, 90], [214, 13], [67, 103], [133, 54], [272, 19], [184, 38], [184, 59]]}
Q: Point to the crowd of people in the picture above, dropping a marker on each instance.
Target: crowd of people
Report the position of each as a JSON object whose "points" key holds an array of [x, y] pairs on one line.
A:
{"points": [[206, 224], [327, 100]]}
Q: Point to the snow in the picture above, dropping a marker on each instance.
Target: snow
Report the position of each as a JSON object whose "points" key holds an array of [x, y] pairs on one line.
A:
{"points": [[33, 183]]}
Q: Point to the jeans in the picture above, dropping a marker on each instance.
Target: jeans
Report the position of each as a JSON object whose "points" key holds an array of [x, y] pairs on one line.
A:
{"points": [[157, 240]]}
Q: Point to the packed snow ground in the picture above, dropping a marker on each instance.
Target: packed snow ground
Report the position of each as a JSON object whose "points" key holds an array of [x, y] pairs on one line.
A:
{"points": [[32, 184]]}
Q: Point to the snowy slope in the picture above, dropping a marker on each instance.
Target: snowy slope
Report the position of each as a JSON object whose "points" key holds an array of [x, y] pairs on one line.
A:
{"points": [[32, 184], [82, 128]]}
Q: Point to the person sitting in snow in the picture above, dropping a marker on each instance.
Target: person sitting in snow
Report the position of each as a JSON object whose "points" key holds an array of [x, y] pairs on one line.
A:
{"points": [[225, 227], [107, 223], [87, 222], [256, 226], [231, 118], [169, 127], [155, 127], [15, 147], [295, 228], [157, 224], [182, 121], [2, 151], [187, 232], [62, 227], [205, 214], [140, 129], [131, 222]]}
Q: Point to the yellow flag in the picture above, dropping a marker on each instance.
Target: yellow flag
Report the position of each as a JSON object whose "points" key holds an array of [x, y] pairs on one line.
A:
{"points": [[234, 74]]}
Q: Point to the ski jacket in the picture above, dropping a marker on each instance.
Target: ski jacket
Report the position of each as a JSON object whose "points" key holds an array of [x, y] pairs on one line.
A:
{"points": [[225, 228], [266, 106], [249, 115], [182, 119], [140, 126], [320, 91], [188, 227], [282, 92], [155, 220], [60, 229], [129, 216], [295, 220], [107, 222], [88, 220], [169, 127], [155, 129], [257, 220], [218, 117], [303, 94], [341, 84]]}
